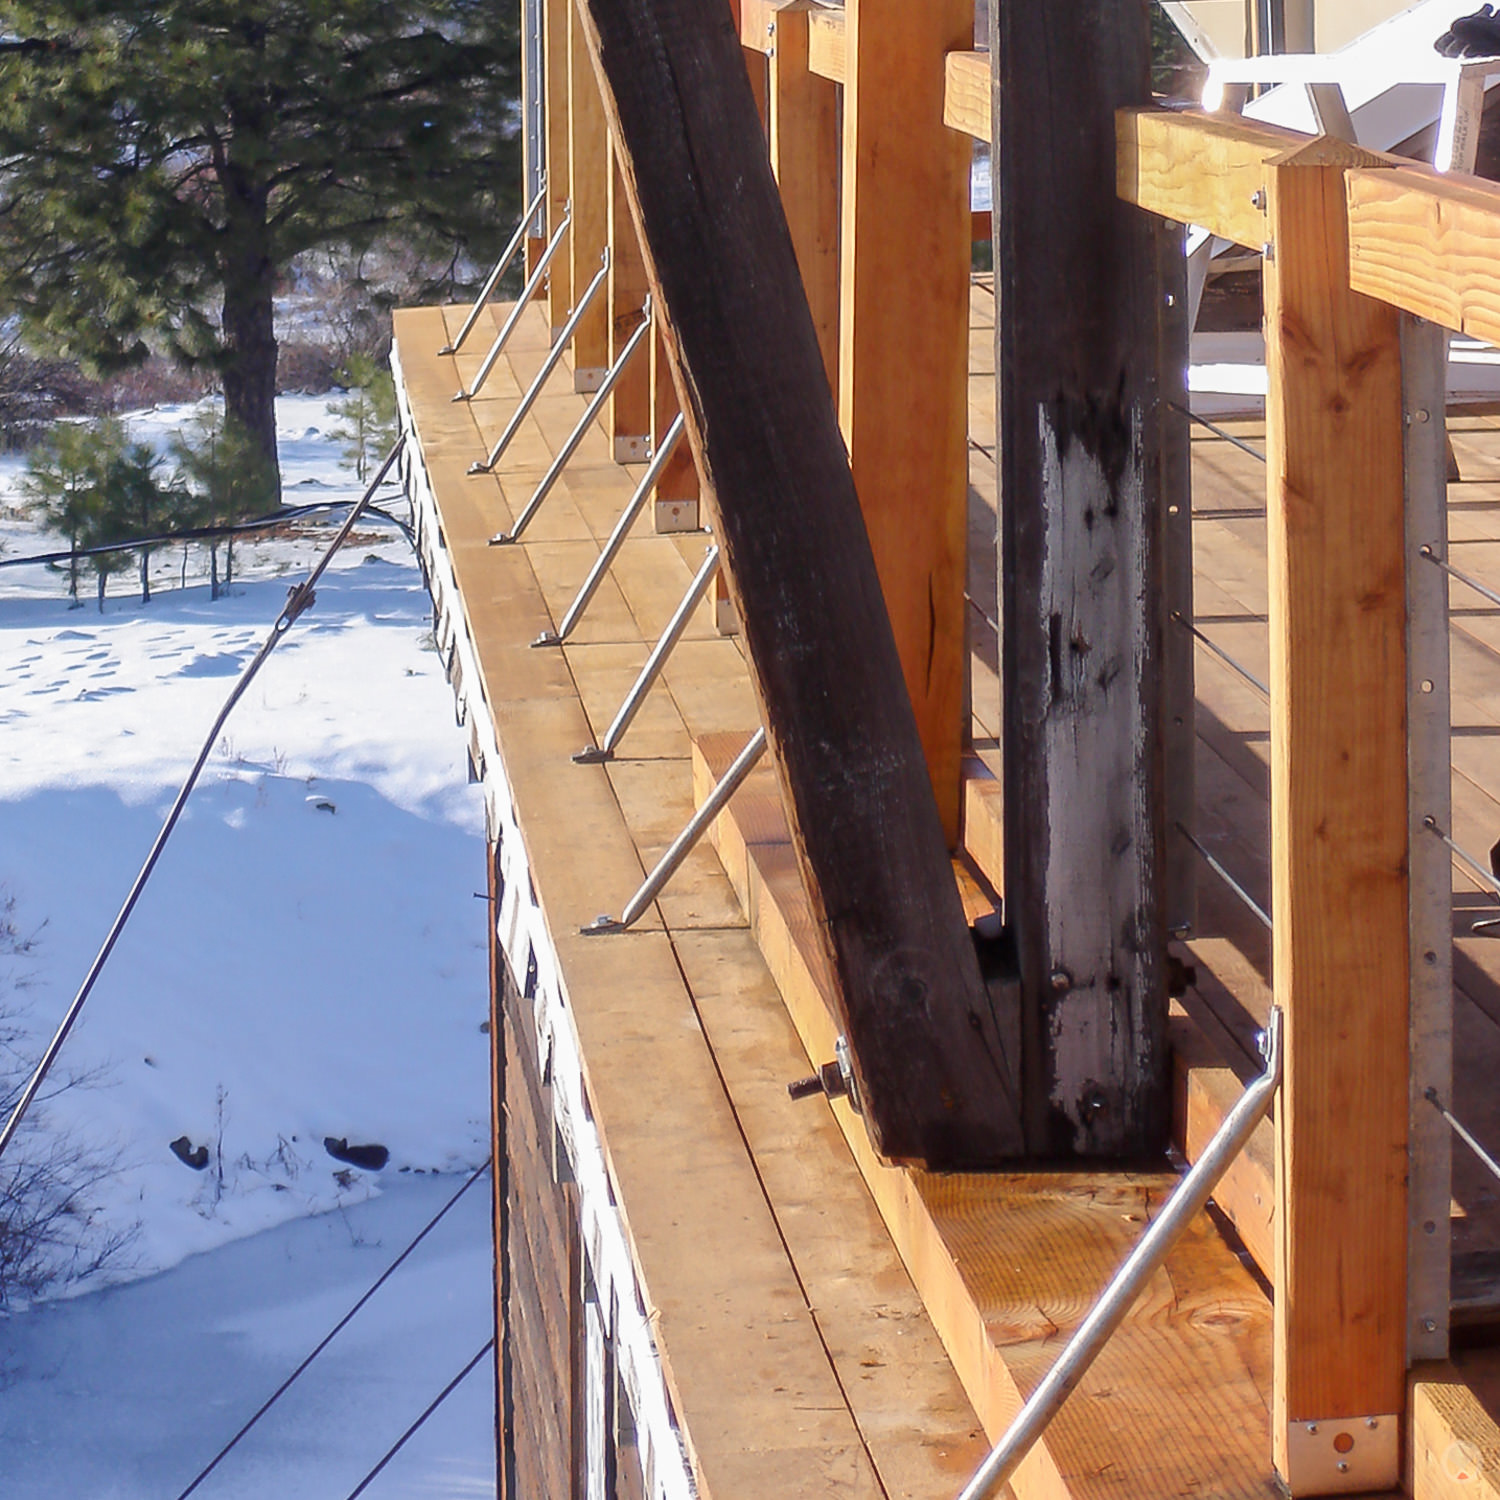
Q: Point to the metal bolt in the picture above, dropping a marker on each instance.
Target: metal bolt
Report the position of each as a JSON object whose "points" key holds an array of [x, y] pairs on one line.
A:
{"points": [[1060, 979], [1421, 414], [1258, 199], [1429, 957], [1343, 1467], [1312, 1428], [1171, 300], [1429, 1325], [1372, 1423], [1429, 1227]]}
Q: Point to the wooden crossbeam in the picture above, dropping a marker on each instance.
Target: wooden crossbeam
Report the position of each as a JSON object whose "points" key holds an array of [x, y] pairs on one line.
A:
{"points": [[966, 93], [1199, 168], [926, 1042], [1425, 241], [825, 47]]}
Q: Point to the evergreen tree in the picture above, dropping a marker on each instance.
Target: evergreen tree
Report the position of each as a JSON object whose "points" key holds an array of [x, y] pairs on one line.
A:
{"points": [[226, 480], [370, 421], [56, 488], [159, 164]]}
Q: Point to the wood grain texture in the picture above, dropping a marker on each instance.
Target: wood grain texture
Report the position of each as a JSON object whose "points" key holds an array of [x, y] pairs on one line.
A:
{"points": [[1338, 807], [1199, 168], [630, 404], [762, 427], [588, 190], [1454, 1453], [903, 367], [677, 487], [1425, 241], [1076, 351], [555, 15], [966, 93], [826, 47], [1008, 1264], [805, 156]]}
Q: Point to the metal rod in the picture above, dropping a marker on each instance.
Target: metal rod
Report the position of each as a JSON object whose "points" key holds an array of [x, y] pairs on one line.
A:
{"points": [[682, 845], [593, 754], [501, 267], [1228, 879], [569, 448], [533, 283], [1431, 1095], [1142, 1263], [1485, 877], [602, 564], [1488, 593], [1217, 431], [554, 357], [1180, 619]]}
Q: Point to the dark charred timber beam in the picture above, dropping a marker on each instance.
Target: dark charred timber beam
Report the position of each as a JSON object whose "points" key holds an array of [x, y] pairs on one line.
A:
{"points": [[760, 418], [1081, 559]]}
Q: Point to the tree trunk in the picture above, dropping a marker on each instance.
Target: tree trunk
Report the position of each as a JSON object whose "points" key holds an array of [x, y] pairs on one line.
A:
{"points": [[213, 570], [73, 571], [228, 562], [145, 575], [103, 579], [249, 360]]}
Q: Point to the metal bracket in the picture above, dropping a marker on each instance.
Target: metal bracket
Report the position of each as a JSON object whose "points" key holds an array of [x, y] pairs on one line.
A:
{"points": [[1343, 1456], [834, 1080]]}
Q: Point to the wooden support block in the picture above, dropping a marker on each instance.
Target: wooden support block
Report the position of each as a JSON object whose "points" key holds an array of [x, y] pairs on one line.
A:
{"points": [[1454, 1450], [1425, 241], [726, 621], [903, 357], [630, 405], [1076, 347], [984, 814], [588, 190], [926, 1043], [825, 45], [966, 93], [675, 503], [1337, 609], [1199, 168], [558, 86], [805, 151]]}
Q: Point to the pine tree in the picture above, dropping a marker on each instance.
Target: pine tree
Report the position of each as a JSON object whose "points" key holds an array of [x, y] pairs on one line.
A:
{"points": [[369, 419], [160, 164], [226, 481]]}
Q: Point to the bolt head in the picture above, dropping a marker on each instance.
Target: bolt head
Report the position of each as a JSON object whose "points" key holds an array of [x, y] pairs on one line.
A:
{"points": [[1372, 1423], [1060, 979], [1429, 1325], [1312, 1428], [1343, 1467]]}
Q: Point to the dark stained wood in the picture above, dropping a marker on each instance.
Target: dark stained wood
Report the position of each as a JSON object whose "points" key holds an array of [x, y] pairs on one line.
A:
{"points": [[762, 426], [1076, 348]]}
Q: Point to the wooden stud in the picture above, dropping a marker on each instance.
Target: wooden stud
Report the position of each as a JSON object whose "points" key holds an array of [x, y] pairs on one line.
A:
{"points": [[588, 190], [558, 87], [630, 405], [805, 150], [676, 499], [1337, 609], [903, 359], [1077, 338], [966, 93], [926, 1042]]}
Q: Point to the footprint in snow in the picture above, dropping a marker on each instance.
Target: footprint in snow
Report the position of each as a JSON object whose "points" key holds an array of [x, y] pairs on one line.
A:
{"points": [[74, 635]]}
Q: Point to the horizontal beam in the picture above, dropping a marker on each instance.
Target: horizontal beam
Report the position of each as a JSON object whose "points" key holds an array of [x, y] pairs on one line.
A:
{"points": [[758, 22], [966, 93], [1199, 168], [825, 44], [1425, 241]]}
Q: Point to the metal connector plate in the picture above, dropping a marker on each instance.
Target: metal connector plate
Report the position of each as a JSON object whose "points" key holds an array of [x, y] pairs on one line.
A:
{"points": [[1343, 1456]]}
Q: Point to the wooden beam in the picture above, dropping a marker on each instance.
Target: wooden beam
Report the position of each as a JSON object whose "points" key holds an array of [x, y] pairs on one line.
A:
{"points": [[805, 150], [630, 405], [1425, 241], [588, 190], [825, 44], [1077, 337], [966, 93], [1199, 168], [750, 375], [558, 86], [677, 494], [903, 357], [1337, 608]]}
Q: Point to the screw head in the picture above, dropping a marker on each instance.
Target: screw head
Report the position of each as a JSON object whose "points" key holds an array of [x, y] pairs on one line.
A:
{"points": [[1372, 1423], [1258, 199], [1060, 979], [1343, 1467], [1312, 1428], [1429, 1325]]}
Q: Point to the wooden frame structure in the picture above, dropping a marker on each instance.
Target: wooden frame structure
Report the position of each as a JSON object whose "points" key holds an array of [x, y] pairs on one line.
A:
{"points": [[877, 103]]}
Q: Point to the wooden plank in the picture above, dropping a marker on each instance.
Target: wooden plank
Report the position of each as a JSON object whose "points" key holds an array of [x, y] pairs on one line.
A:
{"points": [[825, 45], [1076, 347], [555, 15], [1338, 813], [630, 405], [1425, 241], [903, 371], [1007, 1264], [1455, 1438], [588, 191], [763, 431], [677, 491], [805, 149], [966, 94], [1199, 168]]}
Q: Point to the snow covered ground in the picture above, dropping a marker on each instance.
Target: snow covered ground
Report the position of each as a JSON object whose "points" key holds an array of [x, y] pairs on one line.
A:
{"points": [[308, 962]]}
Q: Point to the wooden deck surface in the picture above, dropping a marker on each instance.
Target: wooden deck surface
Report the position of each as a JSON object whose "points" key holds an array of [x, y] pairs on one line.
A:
{"points": [[801, 1356]]}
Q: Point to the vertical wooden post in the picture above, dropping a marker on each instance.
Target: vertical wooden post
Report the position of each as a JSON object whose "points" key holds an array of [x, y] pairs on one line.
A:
{"points": [[533, 118], [903, 359], [630, 405], [1337, 607], [804, 131], [676, 498], [558, 87], [588, 190], [1077, 339]]}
